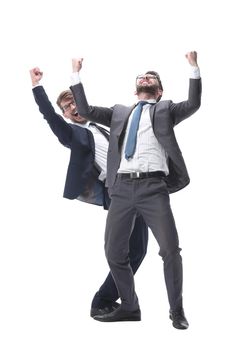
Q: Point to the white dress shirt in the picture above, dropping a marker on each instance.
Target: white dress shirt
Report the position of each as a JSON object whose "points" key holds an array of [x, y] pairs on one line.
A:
{"points": [[149, 154]]}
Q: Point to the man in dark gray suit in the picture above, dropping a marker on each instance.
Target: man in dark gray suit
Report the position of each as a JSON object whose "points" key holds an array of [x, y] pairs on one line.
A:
{"points": [[144, 165]]}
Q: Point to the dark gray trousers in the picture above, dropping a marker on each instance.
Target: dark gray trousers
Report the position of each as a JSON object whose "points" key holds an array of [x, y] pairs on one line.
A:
{"points": [[148, 197]]}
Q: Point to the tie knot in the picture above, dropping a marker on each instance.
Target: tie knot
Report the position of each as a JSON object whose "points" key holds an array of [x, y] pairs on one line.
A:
{"points": [[142, 103]]}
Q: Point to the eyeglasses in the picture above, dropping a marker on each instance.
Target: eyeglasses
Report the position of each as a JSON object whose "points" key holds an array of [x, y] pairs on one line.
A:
{"points": [[67, 106], [146, 76]]}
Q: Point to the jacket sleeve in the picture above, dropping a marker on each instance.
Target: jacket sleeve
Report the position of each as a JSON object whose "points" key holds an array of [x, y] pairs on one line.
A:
{"points": [[57, 124], [183, 110], [99, 115]]}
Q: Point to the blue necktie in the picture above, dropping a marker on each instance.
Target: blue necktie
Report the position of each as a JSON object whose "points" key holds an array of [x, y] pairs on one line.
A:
{"points": [[132, 135]]}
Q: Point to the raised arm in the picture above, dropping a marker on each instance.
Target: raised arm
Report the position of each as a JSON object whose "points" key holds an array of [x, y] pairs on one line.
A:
{"points": [[183, 110], [100, 115], [57, 124]]}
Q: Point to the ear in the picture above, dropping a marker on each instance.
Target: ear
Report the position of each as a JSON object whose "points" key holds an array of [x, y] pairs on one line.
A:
{"points": [[159, 93], [135, 92]]}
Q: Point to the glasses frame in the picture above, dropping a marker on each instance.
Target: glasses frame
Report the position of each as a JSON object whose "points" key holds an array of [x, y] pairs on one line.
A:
{"points": [[66, 107], [146, 76]]}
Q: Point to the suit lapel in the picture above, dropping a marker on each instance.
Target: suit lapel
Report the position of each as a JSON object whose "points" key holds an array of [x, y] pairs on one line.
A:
{"points": [[152, 114], [127, 116], [123, 125]]}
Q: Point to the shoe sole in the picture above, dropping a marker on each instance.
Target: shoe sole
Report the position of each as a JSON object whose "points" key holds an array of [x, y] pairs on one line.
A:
{"points": [[124, 319]]}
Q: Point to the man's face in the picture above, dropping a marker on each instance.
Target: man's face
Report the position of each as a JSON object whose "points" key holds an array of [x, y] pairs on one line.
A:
{"points": [[147, 83], [69, 109]]}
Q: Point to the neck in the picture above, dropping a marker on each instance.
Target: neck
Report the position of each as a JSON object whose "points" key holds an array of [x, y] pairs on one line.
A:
{"points": [[146, 96]]}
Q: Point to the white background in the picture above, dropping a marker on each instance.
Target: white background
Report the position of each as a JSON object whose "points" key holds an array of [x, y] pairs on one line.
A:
{"points": [[51, 250]]}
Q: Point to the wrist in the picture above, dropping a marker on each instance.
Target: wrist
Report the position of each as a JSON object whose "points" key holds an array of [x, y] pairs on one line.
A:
{"points": [[194, 72], [75, 78]]}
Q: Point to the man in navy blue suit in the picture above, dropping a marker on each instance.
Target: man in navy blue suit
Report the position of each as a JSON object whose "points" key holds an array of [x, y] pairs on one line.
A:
{"points": [[88, 143]]}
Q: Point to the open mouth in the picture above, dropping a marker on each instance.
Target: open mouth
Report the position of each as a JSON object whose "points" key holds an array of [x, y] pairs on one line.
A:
{"points": [[75, 114]]}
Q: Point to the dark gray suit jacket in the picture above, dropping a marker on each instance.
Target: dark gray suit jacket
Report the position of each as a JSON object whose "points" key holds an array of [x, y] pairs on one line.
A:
{"points": [[164, 116]]}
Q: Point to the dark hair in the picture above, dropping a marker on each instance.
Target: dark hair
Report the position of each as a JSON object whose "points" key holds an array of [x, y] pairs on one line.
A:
{"points": [[157, 76]]}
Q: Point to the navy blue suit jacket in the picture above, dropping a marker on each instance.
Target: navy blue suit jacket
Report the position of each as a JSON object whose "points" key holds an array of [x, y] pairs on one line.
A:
{"points": [[82, 175]]}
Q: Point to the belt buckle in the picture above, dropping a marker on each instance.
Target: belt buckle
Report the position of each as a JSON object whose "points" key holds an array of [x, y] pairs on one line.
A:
{"points": [[135, 175]]}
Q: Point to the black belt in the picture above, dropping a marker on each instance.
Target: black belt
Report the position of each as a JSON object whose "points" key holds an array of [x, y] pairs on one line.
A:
{"points": [[139, 175]]}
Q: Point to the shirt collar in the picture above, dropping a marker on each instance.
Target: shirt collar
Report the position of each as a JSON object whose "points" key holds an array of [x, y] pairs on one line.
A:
{"points": [[86, 125], [151, 100]]}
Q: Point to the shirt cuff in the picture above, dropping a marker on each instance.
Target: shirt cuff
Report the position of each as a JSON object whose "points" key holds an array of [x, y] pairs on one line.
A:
{"points": [[194, 72], [75, 78], [33, 87]]}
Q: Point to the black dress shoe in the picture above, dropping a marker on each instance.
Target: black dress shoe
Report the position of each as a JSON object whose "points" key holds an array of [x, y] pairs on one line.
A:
{"points": [[119, 315], [179, 320], [105, 310]]}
